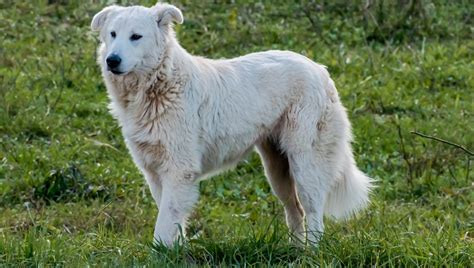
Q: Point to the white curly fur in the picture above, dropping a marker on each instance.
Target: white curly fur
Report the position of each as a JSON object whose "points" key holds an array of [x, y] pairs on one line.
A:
{"points": [[185, 118]]}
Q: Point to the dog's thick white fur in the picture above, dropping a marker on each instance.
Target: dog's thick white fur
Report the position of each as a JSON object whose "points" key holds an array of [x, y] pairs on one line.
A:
{"points": [[185, 118]]}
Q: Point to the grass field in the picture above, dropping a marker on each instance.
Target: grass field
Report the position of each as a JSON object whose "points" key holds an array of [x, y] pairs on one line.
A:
{"points": [[70, 194]]}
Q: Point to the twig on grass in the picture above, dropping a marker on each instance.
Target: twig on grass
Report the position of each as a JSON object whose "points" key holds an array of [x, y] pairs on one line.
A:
{"points": [[468, 167], [443, 141], [405, 155], [469, 153]]}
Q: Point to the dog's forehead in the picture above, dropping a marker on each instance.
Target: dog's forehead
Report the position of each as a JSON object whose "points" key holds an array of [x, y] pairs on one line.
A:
{"points": [[132, 19]]}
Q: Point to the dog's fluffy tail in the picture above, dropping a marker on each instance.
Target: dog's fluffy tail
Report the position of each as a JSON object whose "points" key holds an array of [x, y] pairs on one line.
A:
{"points": [[349, 195]]}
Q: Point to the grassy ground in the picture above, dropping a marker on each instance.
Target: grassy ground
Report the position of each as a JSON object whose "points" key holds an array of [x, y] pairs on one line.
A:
{"points": [[70, 194]]}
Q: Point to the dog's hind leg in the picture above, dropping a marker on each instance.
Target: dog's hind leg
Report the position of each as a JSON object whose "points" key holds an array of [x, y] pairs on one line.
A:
{"points": [[312, 183], [314, 157], [278, 174]]}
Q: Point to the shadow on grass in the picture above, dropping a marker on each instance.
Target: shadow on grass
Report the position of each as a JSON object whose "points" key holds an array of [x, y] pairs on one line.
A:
{"points": [[270, 248], [338, 247], [62, 185]]}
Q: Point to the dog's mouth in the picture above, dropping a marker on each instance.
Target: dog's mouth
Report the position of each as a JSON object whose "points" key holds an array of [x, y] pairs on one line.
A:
{"points": [[120, 73], [117, 72]]}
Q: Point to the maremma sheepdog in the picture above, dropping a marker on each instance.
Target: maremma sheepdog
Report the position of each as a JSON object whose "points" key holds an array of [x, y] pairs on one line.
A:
{"points": [[185, 118]]}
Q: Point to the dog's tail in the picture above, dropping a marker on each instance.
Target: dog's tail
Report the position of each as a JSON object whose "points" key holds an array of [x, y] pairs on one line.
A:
{"points": [[350, 194]]}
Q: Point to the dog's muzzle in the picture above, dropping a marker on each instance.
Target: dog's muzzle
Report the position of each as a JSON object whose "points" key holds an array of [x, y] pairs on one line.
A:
{"points": [[113, 63]]}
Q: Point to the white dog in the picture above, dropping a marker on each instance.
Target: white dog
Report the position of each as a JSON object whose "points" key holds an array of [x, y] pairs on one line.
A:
{"points": [[185, 118]]}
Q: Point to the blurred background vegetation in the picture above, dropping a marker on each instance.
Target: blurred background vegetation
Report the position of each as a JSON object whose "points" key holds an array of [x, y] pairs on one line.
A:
{"points": [[69, 191]]}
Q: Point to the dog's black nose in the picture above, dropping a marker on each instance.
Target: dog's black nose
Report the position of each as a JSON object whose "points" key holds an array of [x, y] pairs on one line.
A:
{"points": [[113, 61]]}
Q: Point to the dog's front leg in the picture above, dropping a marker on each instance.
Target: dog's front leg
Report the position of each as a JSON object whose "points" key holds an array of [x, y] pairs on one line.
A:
{"points": [[177, 200]]}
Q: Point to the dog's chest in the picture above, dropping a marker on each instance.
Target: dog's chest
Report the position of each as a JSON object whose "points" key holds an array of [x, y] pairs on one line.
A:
{"points": [[148, 155], [148, 117]]}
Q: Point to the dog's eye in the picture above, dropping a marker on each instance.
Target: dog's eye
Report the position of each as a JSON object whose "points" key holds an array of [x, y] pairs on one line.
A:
{"points": [[135, 37], [113, 34]]}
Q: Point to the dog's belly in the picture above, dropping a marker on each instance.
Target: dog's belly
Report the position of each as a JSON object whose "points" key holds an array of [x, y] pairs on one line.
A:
{"points": [[230, 145], [213, 164], [224, 145]]}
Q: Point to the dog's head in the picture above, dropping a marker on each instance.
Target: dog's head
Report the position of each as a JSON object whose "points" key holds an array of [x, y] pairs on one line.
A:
{"points": [[134, 38]]}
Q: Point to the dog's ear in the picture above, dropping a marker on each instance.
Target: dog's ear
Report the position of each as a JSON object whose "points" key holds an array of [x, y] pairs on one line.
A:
{"points": [[166, 14], [99, 19]]}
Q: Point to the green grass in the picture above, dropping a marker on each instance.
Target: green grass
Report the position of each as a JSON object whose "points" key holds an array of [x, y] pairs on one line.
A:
{"points": [[71, 195]]}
